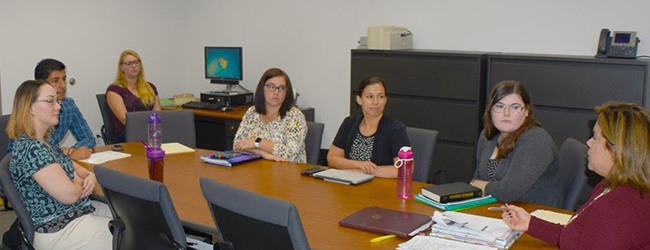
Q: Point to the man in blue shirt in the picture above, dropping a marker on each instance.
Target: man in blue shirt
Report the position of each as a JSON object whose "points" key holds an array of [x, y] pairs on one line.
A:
{"points": [[70, 117]]}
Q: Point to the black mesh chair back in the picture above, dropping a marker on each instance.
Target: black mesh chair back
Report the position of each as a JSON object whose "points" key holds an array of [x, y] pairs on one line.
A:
{"points": [[313, 140], [177, 126], [4, 146], [423, 142], [26, 223], [573, 164], [251, 221], [145, 217], [108, 130]]}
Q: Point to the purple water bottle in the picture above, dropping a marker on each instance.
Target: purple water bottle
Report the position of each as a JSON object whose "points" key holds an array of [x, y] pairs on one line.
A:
{"points": [[155, 131], [404, 167]]}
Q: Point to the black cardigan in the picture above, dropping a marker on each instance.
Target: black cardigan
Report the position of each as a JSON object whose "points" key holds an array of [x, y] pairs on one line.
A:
{"points": [[389, 138]]}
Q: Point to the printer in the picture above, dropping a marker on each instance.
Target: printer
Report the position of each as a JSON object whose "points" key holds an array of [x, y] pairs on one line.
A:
{"points": [[389, 38]]}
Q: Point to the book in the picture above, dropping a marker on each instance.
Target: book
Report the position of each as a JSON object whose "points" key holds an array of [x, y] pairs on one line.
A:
{"points": [[458, 205], [456, 191], [229, 158], [473, 229], [387, 221]]}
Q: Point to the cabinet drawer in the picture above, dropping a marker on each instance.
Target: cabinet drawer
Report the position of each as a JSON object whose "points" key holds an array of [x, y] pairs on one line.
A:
{"points": [[231, 128], [454, 121], [421, 75], [570, 84]]}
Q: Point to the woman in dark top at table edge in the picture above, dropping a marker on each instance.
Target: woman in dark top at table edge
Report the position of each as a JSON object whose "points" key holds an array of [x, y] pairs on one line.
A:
{"points": [[369, 143]]}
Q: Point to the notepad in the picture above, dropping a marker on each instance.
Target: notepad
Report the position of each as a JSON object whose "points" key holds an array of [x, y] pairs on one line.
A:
{"points": [[175, 148], [551, 216], [101, 157]]}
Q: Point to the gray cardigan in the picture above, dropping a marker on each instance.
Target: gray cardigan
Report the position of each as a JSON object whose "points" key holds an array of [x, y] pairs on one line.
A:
{"points": [[529, 173]]}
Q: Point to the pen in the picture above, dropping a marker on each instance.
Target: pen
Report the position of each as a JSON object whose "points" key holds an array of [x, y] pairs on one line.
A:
{"points": [[498, 209], [382, 238]]}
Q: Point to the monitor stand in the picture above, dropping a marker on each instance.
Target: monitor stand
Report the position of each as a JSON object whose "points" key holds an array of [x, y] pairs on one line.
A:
{"points": [[236, 88], [232, 86]]}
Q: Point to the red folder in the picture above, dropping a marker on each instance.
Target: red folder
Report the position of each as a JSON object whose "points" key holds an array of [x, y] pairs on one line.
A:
{"points": [[385, 221]]}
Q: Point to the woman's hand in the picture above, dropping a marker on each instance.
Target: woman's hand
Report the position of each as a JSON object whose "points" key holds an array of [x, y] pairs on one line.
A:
{"points": [[516, 218], [273, 157], [89, 184], [367, 167], [81, 153], [245, 144]]}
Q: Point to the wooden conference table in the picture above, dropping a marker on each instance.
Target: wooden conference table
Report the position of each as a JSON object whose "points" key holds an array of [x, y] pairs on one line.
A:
{"points": [[321, 204]]}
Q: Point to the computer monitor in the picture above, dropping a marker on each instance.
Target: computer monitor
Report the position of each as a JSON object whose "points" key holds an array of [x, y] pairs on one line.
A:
{"points": [[223, 65]]}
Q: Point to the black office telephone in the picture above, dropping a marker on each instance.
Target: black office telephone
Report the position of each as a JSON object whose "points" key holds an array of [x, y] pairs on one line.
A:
{"points": [[623, 44]]}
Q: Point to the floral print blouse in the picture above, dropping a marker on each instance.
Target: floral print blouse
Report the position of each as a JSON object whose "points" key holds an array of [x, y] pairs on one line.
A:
{"points": [[287, 133]]}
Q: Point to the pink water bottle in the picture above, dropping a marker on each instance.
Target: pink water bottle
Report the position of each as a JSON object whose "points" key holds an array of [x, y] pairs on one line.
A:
{"points": [[404, 167]]}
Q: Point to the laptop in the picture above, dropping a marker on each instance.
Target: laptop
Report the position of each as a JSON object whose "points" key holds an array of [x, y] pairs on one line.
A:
{"points": [[229, 158], [343, 177]]}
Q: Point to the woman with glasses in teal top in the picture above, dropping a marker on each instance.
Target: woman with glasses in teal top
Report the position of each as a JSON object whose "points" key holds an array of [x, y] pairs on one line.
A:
{"points": [[273, 127], [53, 188], [516, 158]]}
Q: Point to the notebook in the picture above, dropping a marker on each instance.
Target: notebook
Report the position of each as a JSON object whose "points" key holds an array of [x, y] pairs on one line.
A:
{"points": [[387, 221], [343, 177], [229, 158]]}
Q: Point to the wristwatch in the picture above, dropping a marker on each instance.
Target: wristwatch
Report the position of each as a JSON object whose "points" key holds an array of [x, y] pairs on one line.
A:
{"points": [[257, 142]]}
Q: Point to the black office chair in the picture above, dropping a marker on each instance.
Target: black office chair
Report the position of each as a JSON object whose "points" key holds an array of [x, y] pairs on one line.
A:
{"points": [[313, 140], [4, 146], [107, 130], [252, 221], [573, 163], [178, 126], [26, 225], [423, 142], [145, 217]]}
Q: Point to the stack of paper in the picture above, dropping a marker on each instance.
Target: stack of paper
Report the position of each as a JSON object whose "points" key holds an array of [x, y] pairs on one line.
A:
{"points": [[101, 157], [420, 242], [459, 205], [473, 229]]}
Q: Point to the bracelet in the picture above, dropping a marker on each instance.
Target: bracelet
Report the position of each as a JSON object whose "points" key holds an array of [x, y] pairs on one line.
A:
{"points": [[89, 174]]}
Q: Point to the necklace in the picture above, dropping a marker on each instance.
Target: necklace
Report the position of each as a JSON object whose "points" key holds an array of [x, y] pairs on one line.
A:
{"points": [[605, 191]]}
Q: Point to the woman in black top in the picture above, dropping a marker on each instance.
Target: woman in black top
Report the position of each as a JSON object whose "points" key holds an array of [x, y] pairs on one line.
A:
{"points": [[369, 143]]}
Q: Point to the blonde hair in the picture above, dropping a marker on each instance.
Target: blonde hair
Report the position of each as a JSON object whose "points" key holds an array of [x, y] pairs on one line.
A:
{"points": [[145, 91], [20, 121], [626, 127]]}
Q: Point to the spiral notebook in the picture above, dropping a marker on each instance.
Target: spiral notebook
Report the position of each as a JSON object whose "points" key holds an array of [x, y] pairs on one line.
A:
{"points": [[230, 157]]}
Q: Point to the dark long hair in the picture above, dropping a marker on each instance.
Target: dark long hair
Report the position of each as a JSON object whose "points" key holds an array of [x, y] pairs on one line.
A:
{"points": [[260, 102], [502, 89], [369, 81]]}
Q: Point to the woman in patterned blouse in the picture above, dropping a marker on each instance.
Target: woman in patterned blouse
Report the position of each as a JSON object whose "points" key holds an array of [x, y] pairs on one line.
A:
{"points": [[369, 143], [54, 189], [130, 92], [273, 127]]}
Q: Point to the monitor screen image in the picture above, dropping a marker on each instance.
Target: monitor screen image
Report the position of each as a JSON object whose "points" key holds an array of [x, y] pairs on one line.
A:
{"points": [[223, 64]]}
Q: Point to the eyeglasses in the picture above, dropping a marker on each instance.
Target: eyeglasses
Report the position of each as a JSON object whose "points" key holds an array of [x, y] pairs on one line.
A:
{"points": [[50, 101], [272, 87], [514, 108], [131, 63]]}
